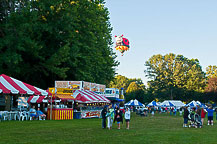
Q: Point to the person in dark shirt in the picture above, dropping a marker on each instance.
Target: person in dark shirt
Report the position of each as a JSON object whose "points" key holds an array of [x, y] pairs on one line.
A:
{"points": [[103, 114], [198, 111], [118, 118], [185, 116]]}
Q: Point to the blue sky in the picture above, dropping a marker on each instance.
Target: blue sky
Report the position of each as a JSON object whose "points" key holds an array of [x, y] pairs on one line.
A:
{"points": [[187, 27]]}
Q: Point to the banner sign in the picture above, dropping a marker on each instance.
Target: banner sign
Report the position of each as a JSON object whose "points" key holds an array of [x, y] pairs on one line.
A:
{"points": [[81, 85], [90, 114], [64, 91], [74, 85]]}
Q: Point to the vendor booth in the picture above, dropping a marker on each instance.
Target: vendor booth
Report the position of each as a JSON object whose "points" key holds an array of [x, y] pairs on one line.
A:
{"points": [[62, 104], [14, 95], [88, 104], [11, 89], [87, 100]]}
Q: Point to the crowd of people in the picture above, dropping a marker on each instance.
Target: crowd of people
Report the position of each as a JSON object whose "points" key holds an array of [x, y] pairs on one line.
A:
{"points": [[196, 116], [112, 115]]}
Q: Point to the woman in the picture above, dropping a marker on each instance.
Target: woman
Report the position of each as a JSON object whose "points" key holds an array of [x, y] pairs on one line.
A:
{"points": [[118, 118], [127, 118], [203, 114]]}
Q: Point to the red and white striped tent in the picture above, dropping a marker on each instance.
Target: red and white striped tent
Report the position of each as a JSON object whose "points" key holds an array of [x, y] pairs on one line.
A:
{"points": [[10, 85], [85, 96], [36, 99]]}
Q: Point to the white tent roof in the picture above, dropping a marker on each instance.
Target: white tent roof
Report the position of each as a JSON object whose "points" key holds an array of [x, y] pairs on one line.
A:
{"points": [[134, 103], [176, 103]]}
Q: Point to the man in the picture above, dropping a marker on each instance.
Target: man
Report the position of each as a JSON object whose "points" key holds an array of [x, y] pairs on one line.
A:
{"points": [[33, 112], [185, 116], [103, 114], [41, 114], [110, 117]]}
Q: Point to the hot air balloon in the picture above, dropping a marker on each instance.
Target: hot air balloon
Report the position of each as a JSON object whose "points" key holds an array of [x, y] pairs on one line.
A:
{"points": [[122, 44]]}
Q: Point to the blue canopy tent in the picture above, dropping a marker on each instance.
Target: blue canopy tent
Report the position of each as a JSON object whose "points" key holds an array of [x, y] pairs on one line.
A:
{"points": [[171, 105], [134, 103], [195, 103], [153, 103]]}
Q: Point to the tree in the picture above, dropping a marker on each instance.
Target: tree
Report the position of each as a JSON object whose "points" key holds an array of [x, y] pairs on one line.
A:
{"points": [[211, 71], [135, 89], [132, 87], [50, 40], [211, 89], [119, 82], [174, 76]]}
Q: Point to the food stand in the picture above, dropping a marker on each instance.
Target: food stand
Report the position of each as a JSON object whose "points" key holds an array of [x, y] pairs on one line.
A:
{"points": [[87, 104], [63, 110]]}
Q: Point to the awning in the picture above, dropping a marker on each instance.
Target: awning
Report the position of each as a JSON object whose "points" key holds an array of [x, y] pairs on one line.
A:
{"points": [[85, 96], [14, 86], [35, 99], [115, 99], [65, 97]]}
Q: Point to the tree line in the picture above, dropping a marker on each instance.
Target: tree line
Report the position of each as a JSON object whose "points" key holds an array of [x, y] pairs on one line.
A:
{"points": [[171, 76], [46, 40]]}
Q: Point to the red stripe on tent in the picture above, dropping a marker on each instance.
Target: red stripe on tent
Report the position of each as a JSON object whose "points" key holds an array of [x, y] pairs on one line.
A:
{"points": [[11, 82], [40, 99], [103, 98], [4, 89], [30, 98], [82, 98], [93, 100], [94, 95], [32, 88]]}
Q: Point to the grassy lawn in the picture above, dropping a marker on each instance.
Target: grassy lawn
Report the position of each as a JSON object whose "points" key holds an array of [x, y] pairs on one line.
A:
{"points": [[161, 128]]}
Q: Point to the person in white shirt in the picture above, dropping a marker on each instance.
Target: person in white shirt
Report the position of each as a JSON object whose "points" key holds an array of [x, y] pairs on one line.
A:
{"points": [[127, 118]]}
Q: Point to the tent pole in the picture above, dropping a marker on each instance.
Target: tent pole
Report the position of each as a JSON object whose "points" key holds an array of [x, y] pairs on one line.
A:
{"points": [[51, 108]]}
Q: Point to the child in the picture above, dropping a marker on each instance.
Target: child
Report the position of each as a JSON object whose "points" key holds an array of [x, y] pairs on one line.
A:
{"points": [[127, 118], [210, 116]]}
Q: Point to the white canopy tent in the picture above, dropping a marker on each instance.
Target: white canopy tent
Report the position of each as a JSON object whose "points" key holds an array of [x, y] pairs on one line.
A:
{"points": [[170, 103]]}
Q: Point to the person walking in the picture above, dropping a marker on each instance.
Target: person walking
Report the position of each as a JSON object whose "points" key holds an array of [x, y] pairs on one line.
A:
{"points": [[103, 114], [118, 118], [127, 118], [185, 116]]}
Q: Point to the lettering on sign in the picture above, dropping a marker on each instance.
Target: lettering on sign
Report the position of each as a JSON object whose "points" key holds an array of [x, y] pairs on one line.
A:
{"points": [[90, 114]]}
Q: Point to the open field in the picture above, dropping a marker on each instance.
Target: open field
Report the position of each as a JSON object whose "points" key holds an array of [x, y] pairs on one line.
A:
{"points": [[161, 128]]}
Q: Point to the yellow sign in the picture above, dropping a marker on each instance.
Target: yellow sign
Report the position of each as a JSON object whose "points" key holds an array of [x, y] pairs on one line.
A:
{"points": [[61, 91], [52, 90], [64, 91]]}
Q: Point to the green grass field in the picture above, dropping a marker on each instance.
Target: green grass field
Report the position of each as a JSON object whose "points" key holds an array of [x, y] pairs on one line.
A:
{"points": [[161, 128]]}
